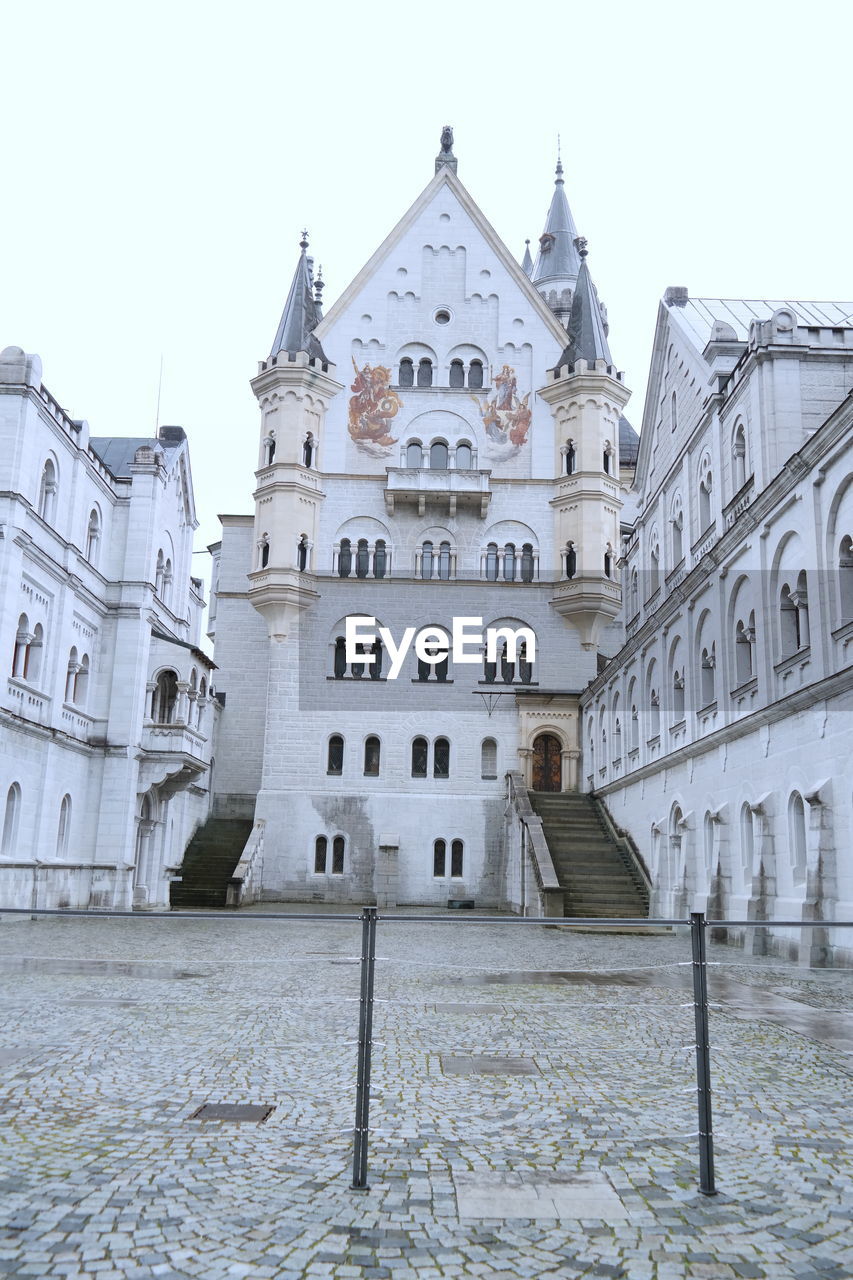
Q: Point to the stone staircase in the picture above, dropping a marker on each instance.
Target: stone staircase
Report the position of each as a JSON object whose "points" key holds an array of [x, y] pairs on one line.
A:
{"points": [[598, 876], [209, 863]]}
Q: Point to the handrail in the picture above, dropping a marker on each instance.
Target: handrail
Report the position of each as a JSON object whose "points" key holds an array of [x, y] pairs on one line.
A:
{"points": [[248, 869], [540, 855]]}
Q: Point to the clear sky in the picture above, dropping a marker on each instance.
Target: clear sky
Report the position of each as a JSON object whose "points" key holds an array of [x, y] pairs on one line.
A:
{"points": [[161, 160]]}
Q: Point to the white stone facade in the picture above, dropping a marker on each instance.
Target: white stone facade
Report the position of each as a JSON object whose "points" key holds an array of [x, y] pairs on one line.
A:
{"points": [[106, 717], [720, 733], [463, 506]]}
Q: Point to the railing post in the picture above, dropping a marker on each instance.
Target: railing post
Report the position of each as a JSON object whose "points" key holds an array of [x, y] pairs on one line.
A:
{"points": [[703, 1059], [365, 1034]]}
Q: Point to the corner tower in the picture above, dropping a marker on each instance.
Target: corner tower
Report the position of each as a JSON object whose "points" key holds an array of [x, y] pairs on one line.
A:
{"points": [[293, 387], [586, 397]]}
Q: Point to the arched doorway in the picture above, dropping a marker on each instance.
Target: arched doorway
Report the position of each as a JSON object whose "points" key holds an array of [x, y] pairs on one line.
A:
{"points": [[547, 763]]}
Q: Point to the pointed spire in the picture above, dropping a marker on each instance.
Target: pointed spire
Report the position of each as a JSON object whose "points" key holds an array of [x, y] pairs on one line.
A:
{"points": [[527, 261], [587, 327], [557, 261], [301, 314]]}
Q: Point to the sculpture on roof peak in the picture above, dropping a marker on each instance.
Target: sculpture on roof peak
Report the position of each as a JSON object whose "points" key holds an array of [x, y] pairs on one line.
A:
{"points": [[447, 140]]}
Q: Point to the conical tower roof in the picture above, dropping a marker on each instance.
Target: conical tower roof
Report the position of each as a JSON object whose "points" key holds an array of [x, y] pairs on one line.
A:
{"points": [[301, 312], [587, 335], [557, 261], [527, 261]]}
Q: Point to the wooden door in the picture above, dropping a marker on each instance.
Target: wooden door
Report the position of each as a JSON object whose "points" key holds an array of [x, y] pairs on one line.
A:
{"points": [[547, 763]]}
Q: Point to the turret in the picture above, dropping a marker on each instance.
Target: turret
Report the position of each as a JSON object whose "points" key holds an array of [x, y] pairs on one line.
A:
{"points": [[293, 387], [555, 271], [587, 396]]}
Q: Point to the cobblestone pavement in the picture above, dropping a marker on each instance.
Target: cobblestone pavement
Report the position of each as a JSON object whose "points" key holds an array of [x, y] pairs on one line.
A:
{"points": [[115, 1032]]}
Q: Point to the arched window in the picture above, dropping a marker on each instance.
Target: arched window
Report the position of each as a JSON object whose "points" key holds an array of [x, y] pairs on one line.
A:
{"points": [[407, 373], [571, 458], [617, 739], [47, 491], [438, 456], [709, 663], [571, 560], [456, 859], [420, 753], [708, 833], [677, 538], [739, 457], [439, 858], [357, 668], [34, 654], [677, 696], [202, 702], [444, 561], [509, 562], [527, 562], [747, 839], [608, 561], [376, 664], [160, 570], [441, 758], [380, 558], [321, 846], [797, 835], [362, 559], [22, 644], [339, 668], [338, 848], [634, 605], [654, 713], [269, 447], [63, 833], [605, 461], [673, 412], [525, 668], [654, 570], [845, 577], [11, 820], [507, 666], [475, 374], [167, 580], [426, 560], [371, 757], [302, 553], [345, 558], [414, 454], [425, 372], [81, 682], [71, 673], [464, 456], [308, 449], [164, 699], [265, 550], [635, 729], [789, 624], [492, 562], [457, 373], [489, 759], [335, 759], [705, 485], [744, 635], [93, 537]]}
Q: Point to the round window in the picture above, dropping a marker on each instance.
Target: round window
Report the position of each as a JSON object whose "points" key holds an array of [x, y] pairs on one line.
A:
{"points": [[442, 317]]}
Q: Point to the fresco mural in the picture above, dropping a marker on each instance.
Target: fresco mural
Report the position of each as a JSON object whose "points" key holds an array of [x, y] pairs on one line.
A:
{"points": [[372, 408], [506, 418]]}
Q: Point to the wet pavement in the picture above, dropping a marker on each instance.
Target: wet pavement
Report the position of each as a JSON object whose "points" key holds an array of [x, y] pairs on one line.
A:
{"points": [[547, 1129]]}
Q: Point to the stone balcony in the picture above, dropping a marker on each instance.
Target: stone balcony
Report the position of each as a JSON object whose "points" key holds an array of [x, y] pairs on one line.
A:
{"points": [[446, 491], [171, 756]]}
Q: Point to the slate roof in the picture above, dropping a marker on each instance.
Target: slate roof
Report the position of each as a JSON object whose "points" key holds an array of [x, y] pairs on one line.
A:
{"points": [[557, 258], [700, 314], [301, 314], [587, 339], [117, 452], [629, 443]]}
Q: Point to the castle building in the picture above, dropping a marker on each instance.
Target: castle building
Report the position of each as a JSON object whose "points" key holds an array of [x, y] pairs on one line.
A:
{"points": [[720, 733], [105, 711], [443, 444]]}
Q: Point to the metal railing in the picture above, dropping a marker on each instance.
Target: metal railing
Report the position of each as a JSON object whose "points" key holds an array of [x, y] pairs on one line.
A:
{"points": [[370, 917]]}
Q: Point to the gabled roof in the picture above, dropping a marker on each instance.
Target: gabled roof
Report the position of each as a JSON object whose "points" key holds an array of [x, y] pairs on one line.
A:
{"points": [[445, 177], [557, 258], [301, 313], [587, 339]]}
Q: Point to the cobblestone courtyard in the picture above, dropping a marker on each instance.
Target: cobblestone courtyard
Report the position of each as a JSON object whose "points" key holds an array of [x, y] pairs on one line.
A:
{"points": [[578, 1160]]}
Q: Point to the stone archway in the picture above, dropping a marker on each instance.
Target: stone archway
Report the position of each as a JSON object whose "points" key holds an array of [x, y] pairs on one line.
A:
{"points": [[547, 763]]}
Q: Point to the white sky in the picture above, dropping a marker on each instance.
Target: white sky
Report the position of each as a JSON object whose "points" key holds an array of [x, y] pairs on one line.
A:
{"points": [[160, 161]]}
